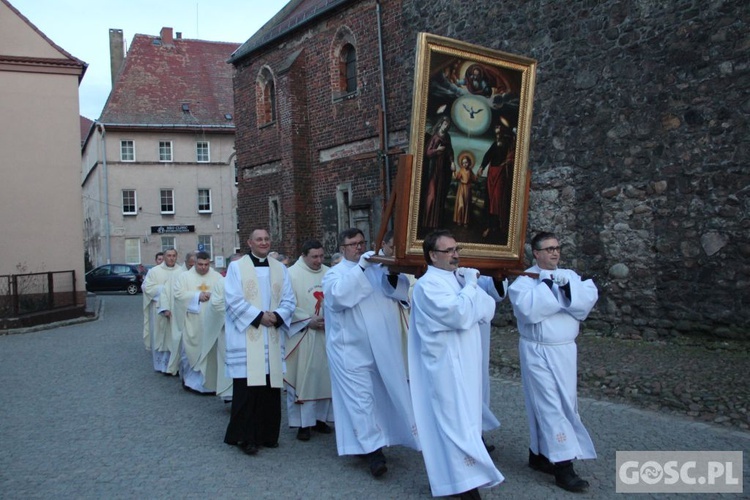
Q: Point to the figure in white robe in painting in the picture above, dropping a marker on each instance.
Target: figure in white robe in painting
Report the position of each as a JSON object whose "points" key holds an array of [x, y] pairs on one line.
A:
{"points": [[445, 354], [158, 333], [192, 293], [548, 311], [370, 391]]}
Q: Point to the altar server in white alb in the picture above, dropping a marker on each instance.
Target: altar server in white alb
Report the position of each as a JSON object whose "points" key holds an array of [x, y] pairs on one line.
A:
{"points": [[445, 368], [498, 290], [371, 399], [308, 381], [192, 293], [157, 331], [548, 310]]}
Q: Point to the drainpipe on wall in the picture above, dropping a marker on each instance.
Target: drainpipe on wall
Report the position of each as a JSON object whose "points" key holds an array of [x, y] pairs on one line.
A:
{"points": [[385, 108], [103, 149]]}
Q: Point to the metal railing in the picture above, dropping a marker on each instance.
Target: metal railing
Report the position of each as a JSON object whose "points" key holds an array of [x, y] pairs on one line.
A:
{"points": [[23, 294]]}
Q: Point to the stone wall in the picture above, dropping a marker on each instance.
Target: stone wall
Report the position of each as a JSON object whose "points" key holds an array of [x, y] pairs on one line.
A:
{"points": [[639, 144], [639, 148]]}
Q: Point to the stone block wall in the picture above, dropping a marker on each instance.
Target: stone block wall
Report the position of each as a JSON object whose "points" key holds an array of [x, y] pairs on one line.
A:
{"points": [[639, 148]]}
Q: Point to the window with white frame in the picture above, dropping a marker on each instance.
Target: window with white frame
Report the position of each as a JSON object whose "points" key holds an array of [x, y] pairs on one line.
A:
{"points": [[168, 242], [127, 151], [205, 244], [167, 201], [129, 202], [132, 250], [202, 152], [165, 150], [204, 201]]}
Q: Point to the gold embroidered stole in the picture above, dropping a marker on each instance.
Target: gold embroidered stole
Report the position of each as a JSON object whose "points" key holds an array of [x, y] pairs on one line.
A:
{"points": [[255, 345]]}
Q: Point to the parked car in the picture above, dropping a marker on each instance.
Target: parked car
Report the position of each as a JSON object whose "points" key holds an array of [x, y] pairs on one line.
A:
{"points": [[116, 277]]}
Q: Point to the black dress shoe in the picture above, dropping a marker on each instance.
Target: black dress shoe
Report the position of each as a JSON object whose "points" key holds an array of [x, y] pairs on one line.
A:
{"points": [[540, 463], [567, 479], [303, 434], [322, 427], [248, 448], [469, 495], [271, 444], [490, 447], [376, 460]]}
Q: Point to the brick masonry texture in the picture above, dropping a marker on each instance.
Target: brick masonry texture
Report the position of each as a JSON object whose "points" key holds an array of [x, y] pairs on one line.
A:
{"points": [[639, 145]]}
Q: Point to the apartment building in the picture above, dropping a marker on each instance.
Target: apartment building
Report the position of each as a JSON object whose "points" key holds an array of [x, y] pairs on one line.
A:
{"points": [[159, 164]]}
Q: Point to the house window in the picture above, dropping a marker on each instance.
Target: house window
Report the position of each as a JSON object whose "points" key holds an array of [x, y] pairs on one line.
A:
{"points": [[205, 244], [168, 242], [167, 201], [236, 173], [129, 202], [202, 154], [165, 150], [266, 98], [132, 250], [204, 201], [127, 151], [348, 69]]}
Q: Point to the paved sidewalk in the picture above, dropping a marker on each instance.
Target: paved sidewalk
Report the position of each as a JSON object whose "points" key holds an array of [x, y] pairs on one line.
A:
{"points": [[83, 415]]}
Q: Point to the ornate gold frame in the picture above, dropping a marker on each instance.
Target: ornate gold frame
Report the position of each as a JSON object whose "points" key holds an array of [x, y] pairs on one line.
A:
{"points": [[498, 84]]}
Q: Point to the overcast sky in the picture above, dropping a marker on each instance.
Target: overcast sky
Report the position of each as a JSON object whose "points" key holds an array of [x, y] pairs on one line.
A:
{"points": [[81, 27]]}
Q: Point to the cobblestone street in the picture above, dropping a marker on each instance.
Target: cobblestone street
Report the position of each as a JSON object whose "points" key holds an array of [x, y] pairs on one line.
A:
{"points": [[83, 415]]}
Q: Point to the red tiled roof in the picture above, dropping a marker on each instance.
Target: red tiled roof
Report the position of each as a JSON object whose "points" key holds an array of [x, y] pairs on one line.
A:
{"points": [[85, 127], [294, 14], [159, 78]]}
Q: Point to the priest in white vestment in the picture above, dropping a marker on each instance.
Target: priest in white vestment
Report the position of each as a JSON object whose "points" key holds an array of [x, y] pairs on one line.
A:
{"points": [[158, 335], [259, 306], [214, 345], [192, 292], [308, 381], [548, 311], [445, 354], [388, 249], [371, 399]]}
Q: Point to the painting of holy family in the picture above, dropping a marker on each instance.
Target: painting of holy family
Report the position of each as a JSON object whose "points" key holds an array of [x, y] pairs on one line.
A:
{"points": [[469, 142]]}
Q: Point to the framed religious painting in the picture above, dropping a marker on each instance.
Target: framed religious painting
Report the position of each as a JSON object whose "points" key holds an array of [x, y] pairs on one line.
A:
{"points": [[469, 150]]}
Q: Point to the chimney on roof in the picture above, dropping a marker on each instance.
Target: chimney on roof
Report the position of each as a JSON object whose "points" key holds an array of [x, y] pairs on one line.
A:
{"points": [[116, 53], [166, 36]]}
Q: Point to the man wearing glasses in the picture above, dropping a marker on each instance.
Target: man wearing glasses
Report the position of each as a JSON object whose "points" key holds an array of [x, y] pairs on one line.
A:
{"points": [[371, 400], [548, 311], [445, 368]]}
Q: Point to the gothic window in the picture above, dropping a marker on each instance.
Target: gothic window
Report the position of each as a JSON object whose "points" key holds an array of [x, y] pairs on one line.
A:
{"points": [[265, 98], [348, 69]]}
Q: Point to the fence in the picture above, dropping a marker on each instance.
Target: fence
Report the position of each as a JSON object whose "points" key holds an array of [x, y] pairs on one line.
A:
{"points": [[25, 294]]}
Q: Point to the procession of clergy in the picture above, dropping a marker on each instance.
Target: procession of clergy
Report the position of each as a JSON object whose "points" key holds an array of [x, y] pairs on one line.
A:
{"points": [[398, 361]]}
